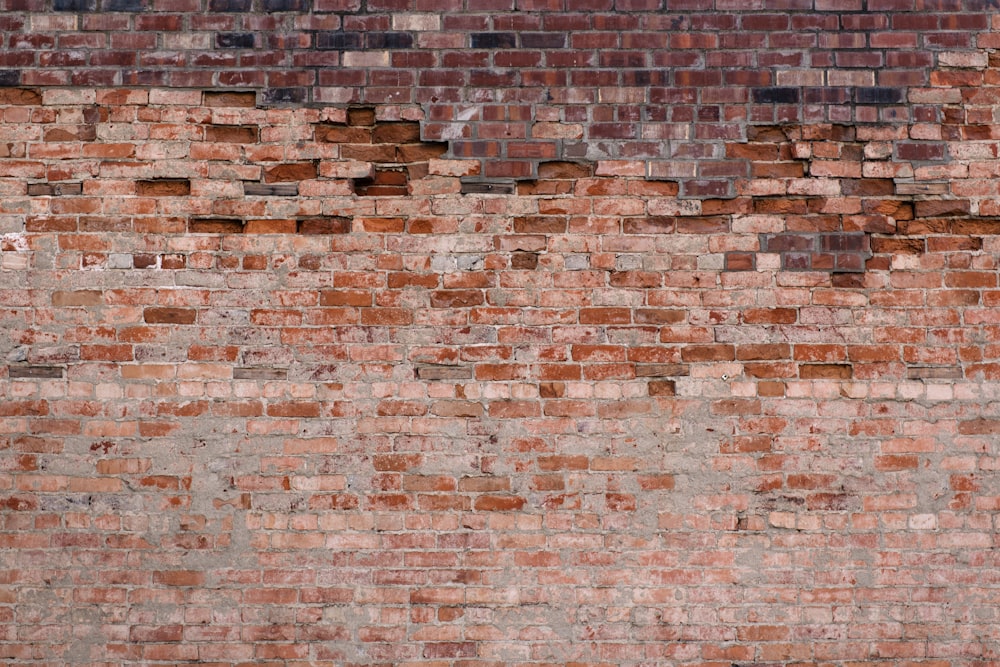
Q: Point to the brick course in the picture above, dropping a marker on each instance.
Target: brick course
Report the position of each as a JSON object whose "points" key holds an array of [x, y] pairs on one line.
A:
{"points": [[329, 338]]}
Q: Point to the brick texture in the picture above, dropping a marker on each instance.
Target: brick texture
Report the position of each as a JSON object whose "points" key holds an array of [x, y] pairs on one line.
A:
{"points": [[389, 333], [663, 82]]}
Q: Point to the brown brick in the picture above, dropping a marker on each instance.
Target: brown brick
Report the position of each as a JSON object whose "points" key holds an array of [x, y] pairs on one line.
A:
{"points": [[232, 134], [20, 96], [170, 315], [662, 388], [225, 98], [825, 371], [215, 226], [361, 116], [294, 171], [396, 133], [336, 134], [163, 188]]}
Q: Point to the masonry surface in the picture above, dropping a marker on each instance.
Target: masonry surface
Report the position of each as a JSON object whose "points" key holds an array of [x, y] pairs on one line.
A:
{"points": [[437, 333]]}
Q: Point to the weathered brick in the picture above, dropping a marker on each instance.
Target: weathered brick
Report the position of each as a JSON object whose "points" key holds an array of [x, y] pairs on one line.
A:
{"points": [[496, 284]]}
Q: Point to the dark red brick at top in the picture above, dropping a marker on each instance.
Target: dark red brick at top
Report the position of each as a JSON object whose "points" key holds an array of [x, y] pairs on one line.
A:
{"points": [[519, 82]]}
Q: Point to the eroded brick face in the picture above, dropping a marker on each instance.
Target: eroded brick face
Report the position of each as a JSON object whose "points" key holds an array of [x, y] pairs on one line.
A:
{"points": [[342, 333]]}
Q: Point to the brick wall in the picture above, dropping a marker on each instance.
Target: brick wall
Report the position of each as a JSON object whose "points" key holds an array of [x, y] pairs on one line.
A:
{"points": [[472, 334]]}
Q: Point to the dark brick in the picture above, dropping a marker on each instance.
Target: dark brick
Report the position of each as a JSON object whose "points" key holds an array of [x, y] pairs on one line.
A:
{"points": [[285, 95], [230, 5], [826, 95], [234, 40], [845, 242], [444, 373], [338, 40], [494, 40], [706, 188], [168, 187], [246, 99], [270, 190], [776, 95], [361, 117], [124, 5], [741, 261], [325, 225], [942, 208], [486, 187], [543, 40], [54, 189], [35, 372], [215, 226], [388, 40], [74, 5], [260, 373], [286, 5], [10, 77], [232, 134], [788, 243], [796, 261], [662, 388], [825, 371], [879, 95]]}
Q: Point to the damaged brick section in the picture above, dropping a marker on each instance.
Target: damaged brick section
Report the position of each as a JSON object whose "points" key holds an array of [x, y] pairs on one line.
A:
{"points": [[393, 149], [709, 381]]}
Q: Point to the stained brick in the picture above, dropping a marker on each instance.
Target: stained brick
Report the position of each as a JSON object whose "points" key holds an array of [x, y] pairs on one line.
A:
{"points": [[493, 40], [338, 40], [286, 5], [230, 98], [388, 40], [215, 226], [229, 5], [776, 95], [163, 188], [285, 95], [74, 5], [10, 77], [234, 40]]}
